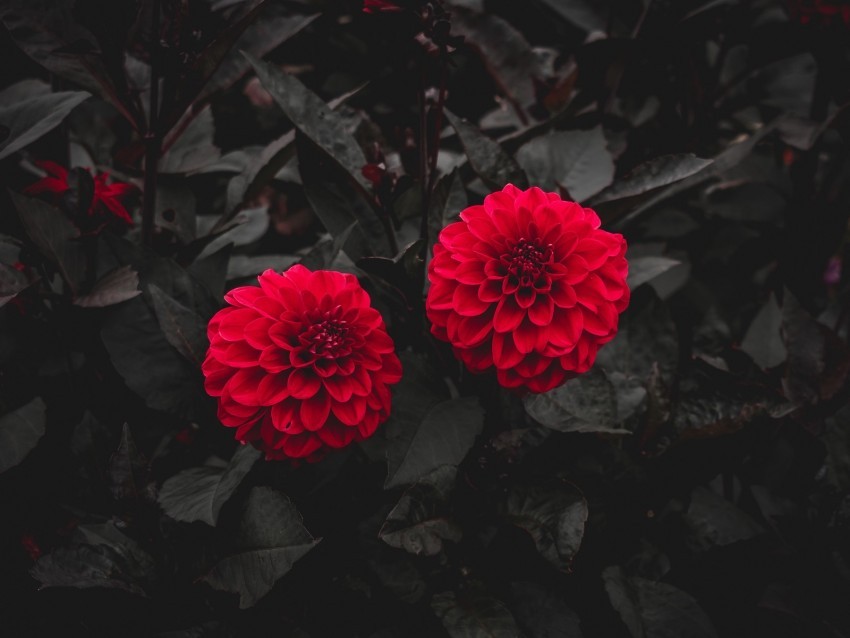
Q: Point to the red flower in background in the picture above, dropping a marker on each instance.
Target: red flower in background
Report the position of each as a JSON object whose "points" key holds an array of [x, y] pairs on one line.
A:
{"points": [[301, 363], [105, 200], [529, 284], [379, 6]]}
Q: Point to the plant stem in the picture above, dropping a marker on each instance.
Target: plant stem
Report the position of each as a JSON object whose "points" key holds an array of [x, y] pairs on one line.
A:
{"points": [[423, 156], [152, 135]]}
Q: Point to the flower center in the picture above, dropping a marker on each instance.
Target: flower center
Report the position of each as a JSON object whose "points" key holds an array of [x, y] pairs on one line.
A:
{"points": [[527, 260], [328, 337]]}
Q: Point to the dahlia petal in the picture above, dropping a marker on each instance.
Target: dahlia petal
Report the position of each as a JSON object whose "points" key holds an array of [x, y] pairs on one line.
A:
{"points": [[505, 353], [473, 330], [490, 290], [257, 333], [232, 324], [470, 272], [336, 435], [391, 368], [525, 336], [244, 296], [339, 388], [466, 302], [542, 311], [562, 294], [298, 446], [368, 425], [566, 327], [594, 252], [240, 355], [242, 386], [525, 297], [508, 315], [303, 383], [351, 412], [281, 414], [272, 389], [315, 410]]}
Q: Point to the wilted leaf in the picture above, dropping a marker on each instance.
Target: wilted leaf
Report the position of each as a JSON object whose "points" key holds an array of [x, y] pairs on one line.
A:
{"points": [[655, 610], [486, 157], [713, 521], [587, 403], [20, 431], [576, 160], [29, 110], [183, 328], [444, 436], [419, 523], [272, 538], [553, 515], [100, 556], [474, 616], [763, 341], [541, 613], [119, 285], [199, 493], [657, 172], [645, 269]]}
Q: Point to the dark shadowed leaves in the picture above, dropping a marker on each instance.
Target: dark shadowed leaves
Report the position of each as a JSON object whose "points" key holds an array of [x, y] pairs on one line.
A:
{"points": [[554, 516], [20, 431], [474, 615], [199, 493], [271, 539], [763, 341], [194, 149], [211, 270], [644, 269], [587, 403], [182, 326], [576, 160], [447, 201], [486, 157], [444, 436], [585, 14], [541, 613], [99, 556], [29, 110], [657, 172], [713, 521], [655, 610], [12, 281], [322, 255], [419, 522], [119, 285], [128, 469]]}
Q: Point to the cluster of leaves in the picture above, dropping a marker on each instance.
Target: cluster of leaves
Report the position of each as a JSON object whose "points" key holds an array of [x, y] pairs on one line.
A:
{"points": [[694, 483]]}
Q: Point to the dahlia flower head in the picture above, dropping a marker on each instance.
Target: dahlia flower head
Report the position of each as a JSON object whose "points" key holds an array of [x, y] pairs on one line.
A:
{"points": [[528, 284], [301, 364]]}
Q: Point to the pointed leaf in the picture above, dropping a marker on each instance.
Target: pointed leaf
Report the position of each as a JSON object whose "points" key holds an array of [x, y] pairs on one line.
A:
{"points": [[20, 431], [657, 172], [644, 269], [183, 328], [487, 158], [763, 341], [119, 285]]}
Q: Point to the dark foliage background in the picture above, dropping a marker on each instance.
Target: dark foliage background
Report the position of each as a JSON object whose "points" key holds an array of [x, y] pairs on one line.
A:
{"points": [[694, 484]]}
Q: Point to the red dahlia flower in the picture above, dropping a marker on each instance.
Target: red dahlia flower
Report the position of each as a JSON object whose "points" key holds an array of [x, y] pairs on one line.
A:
{"points": [[300, 364], [380, 6], [106, 198], [529, 284]]}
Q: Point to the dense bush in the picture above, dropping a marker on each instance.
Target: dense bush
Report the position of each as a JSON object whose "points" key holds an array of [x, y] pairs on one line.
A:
{"points": [[561, 451]]}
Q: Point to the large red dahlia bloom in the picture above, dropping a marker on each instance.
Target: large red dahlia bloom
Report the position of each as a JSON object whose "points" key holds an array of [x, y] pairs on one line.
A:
{"points": [[529, 284], [301, 363]]}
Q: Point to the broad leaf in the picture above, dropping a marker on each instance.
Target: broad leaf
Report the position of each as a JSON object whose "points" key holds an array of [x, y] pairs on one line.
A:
{"points": [[553, 515], [644, 269], [655, 610], [248, 226], [194, 149], [419, 523], [20, 431], [444, 436], [29, 110], [199, 493], [657, 172], [584, 14], [322, 255], [474, 616], [271, 540], [763, 341], [576, 160], [183, 328], [119, 285], [587, 403], [486, 157], [12, 281], [713, 521]]}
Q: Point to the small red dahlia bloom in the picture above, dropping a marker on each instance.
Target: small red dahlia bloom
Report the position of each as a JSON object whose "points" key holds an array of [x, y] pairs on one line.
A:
{"points": [[529, 284], [301, 363], [106, 198], [380, 6]]}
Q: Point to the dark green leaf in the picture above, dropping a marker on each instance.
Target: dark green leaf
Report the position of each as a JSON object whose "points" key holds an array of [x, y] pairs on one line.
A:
{"points": [[212, 270], [541, 613], [713, 521], [29, 110], [322, 255], [576, 160], [128, 469], [183, 328], [447, 201], [657, 172], [119, 285], [12, 281], [20, 431], [419, 523], [248, 226], [199, 493], [553, 515], [644, 269], [474, 616], [444, 436], [271, 540], [194, 149], [584, 14], [655, 610], [486, 157], [763, 341], [242, 266], [587, 403]]}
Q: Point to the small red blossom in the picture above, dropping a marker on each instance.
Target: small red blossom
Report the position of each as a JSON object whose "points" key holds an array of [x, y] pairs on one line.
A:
{"points": [[820, 11], [31, 546], [374, 173], [380, 6], [300, 364], [106, 199], [528, 284]]}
